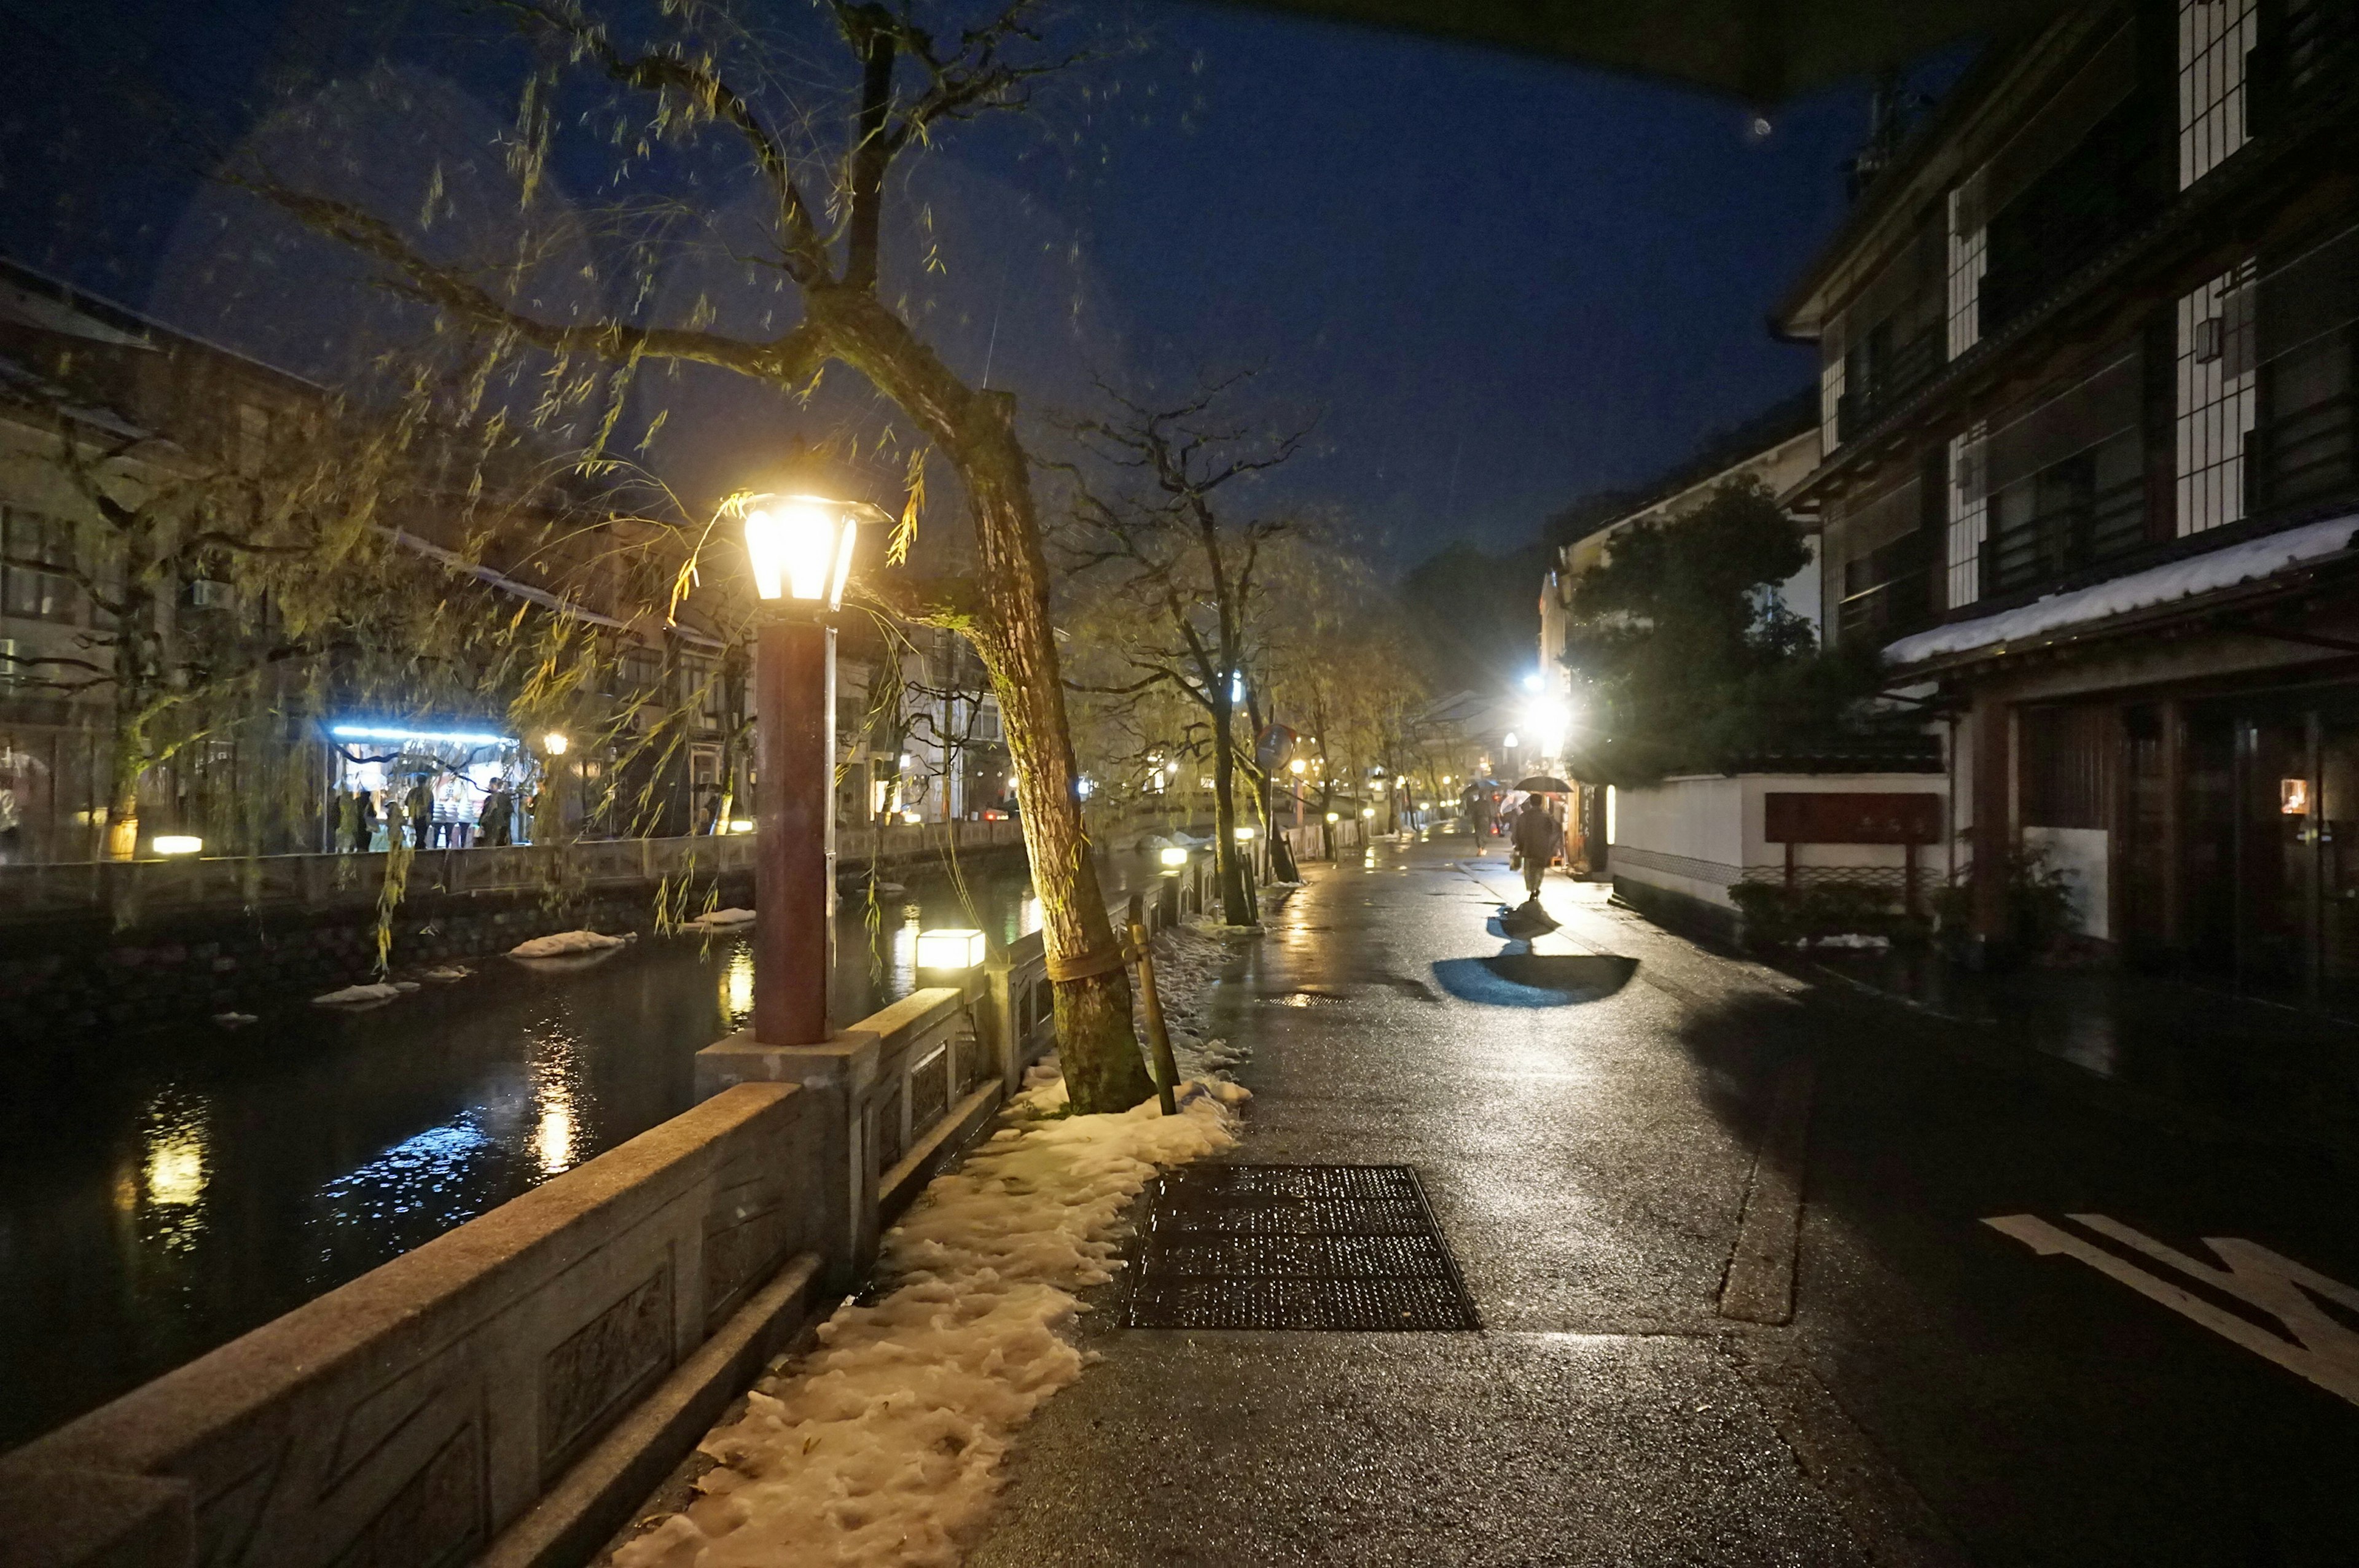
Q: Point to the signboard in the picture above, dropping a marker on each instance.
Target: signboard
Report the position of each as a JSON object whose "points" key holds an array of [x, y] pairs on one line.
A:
{"points": [[1798, 817]]}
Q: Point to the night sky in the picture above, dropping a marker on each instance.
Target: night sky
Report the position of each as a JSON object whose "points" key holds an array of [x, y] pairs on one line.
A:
{"points": [[1497, 284]]}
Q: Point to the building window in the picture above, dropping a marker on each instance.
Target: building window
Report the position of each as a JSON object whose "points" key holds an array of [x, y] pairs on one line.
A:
{"points": [[1831, 389], [2304, 448], [30, 543], [2216, 399], [1969, 259], [2214, 38], [2066, 481], [1968, 514]]}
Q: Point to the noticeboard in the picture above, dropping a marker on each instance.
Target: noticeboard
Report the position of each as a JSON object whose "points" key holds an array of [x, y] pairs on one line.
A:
{"points": [[1799, 816]]}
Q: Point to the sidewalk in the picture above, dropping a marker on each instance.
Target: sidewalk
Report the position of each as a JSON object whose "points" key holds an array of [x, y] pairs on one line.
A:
{"points": [[1585, 1117], [2209, 1060]]}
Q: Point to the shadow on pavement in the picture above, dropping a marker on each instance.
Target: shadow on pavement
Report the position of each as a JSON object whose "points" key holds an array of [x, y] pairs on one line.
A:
{"points": [[1535, 979]]}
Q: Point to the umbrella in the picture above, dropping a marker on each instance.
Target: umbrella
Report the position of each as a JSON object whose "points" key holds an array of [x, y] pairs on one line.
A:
{"points": [[1543, 783]]}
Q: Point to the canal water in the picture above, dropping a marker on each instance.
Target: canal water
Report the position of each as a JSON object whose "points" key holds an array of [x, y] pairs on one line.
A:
{"points": [[161, 1195]]}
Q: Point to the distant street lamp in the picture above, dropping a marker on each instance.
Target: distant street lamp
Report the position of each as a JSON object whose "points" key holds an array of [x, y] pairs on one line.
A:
{"points": [[800, 548], [555, 743]]}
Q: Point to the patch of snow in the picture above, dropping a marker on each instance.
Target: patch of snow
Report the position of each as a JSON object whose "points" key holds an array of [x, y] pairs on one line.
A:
{"points": [[884, 1445], [359, 996], [235, 1019], [1188, 959], [1857, 939], [722, 919], [2206, 573], [566, 943], [444, 974]]}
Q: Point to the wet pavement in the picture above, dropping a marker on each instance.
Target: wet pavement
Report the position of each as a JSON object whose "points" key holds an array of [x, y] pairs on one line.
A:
{"points": [[1614, 1127]]}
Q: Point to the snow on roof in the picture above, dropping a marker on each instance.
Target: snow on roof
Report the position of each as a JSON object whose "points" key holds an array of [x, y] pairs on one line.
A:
{"points": [[2202, 574]]}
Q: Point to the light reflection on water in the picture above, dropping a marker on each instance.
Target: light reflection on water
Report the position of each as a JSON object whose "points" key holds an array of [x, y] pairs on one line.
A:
{"points": [[163, 1196]]}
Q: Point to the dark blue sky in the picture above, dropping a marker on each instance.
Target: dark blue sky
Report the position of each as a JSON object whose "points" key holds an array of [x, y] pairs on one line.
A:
{"points": [[1497, 283]]}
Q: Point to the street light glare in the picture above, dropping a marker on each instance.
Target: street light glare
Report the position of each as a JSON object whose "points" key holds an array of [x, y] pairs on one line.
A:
{"points": [[554, 743], [800, 548]]}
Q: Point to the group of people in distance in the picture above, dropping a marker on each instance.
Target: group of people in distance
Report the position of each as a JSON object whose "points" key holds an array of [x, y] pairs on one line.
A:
{"points": [[425, 819]]}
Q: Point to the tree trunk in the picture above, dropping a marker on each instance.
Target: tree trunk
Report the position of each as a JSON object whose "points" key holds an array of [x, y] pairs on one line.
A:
{"points": [[1236, 910], [124, 768], [1095, 1038]]}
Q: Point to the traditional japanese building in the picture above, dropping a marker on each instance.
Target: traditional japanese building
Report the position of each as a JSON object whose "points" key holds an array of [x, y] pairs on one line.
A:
{"points": [[2090, 473]]}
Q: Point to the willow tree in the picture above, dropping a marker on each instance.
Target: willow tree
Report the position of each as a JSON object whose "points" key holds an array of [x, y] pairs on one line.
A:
{"points": [[692, 96], [1178, 575]]}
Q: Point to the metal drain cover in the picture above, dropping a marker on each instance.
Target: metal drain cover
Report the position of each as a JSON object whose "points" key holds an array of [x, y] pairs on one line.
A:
{"points": [[1308, 1247]]}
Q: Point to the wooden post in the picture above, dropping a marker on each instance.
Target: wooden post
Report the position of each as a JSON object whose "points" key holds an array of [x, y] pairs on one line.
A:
{"points": [[1159, 1039]]}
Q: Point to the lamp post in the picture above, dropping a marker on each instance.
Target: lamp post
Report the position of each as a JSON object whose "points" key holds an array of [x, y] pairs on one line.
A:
{"points": [[800, 550]]}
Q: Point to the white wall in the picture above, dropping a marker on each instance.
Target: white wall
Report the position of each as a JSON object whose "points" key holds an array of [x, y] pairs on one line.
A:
{"points": [[1700, 835]]}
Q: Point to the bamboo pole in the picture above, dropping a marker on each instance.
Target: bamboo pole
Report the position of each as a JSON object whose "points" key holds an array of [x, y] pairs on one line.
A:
{"points": [[1167, 1071]]}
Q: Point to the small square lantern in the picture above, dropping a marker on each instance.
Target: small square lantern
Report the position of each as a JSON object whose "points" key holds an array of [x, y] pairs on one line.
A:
{"points": [[956, 948], [801, 546], [1174, 857], [178, 844]]}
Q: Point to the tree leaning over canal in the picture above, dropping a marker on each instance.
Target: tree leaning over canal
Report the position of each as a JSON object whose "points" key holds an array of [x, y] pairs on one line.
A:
{"points": [[670, 84]]}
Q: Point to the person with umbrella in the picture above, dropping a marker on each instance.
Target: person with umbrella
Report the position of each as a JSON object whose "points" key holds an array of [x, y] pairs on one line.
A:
{"points": [[1537, 839]]}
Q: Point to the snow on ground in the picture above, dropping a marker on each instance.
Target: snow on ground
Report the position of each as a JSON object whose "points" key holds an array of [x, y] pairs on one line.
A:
{"points": [[364, 996], [884, 1445], [565, 944], [721, 920], [1187, 958]]}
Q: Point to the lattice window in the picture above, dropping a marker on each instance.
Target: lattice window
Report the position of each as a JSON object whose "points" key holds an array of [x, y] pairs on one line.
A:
{"points": [[2216, 399], [1831, 389], [1969, 259], [1968, 514], [2215, 38]]}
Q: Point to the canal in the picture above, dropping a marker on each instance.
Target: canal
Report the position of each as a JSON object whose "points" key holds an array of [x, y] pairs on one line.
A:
{"points": [[162, 1195]]}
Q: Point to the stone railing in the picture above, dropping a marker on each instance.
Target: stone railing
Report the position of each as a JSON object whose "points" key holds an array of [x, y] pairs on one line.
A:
{"points": [[129, 890]]}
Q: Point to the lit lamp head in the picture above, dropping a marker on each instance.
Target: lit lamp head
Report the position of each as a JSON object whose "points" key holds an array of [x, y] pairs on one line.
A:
{"points": [[800, 548], [1335, 816], [1367, 811], [956, 948], [178, 844], [1173, 857], [554, 743], [1245, 834], [1298, 767]]}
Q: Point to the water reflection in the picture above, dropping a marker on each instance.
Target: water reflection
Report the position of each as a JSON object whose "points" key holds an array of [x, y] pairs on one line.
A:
{"points": [[555, 1073], [737, 986], [169, 1197], [160, 1195]]}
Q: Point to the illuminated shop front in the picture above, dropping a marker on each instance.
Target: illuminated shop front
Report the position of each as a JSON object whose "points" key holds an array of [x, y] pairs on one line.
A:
{"points": [[458, 766]]}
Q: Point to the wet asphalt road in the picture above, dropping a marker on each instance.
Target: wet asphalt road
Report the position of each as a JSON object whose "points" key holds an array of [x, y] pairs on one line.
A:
{"points": [[1942, 1393]]}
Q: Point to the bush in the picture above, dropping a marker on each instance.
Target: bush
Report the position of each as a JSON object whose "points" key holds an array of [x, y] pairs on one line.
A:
{"points": [[2038, 902], [1776, 917]]}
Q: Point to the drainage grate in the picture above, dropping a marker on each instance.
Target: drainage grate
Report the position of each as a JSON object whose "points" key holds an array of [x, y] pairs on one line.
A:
{"points": [[1312, 1247]]}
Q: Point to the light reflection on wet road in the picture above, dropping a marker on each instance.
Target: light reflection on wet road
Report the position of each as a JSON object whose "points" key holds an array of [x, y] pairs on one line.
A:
{"points": [[160, 1195]]}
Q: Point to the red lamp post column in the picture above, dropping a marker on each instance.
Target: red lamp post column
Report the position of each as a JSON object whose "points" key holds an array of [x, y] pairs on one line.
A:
{"points": [[794, 821], [800, 548]]}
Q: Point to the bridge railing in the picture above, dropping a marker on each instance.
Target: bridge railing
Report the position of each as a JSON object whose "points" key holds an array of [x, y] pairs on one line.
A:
{"points": [[130, 890]]}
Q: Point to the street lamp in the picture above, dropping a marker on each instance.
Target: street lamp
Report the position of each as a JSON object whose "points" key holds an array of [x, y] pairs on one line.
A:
{"points": [[800, 548]]}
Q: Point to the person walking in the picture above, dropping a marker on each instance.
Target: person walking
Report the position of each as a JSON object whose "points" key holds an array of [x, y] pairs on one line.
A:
{"points": [[1537, 838], [418, 810], [352, 831], [499, 812]]}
